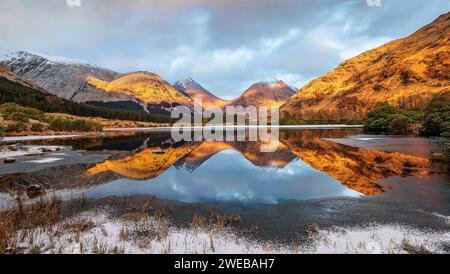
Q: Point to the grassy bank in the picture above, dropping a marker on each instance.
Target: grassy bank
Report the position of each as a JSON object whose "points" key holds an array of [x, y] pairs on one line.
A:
{"points": [[17, 120]]}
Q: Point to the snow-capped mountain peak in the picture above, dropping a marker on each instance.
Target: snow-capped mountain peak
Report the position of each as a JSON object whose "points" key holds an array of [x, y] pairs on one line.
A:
{"points": [[29, 56], [186, 83]]}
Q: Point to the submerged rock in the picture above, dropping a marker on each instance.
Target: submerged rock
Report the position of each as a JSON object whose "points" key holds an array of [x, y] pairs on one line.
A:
{"points": [[34, 191], [9, 160]]}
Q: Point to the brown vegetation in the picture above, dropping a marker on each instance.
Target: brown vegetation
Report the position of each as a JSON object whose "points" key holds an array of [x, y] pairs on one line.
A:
{"points": [[404, 73]]}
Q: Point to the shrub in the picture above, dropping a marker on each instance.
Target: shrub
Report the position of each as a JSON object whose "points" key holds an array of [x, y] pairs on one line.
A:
{"points": [[74, 125], [436, 120], [399, 125], [391, 120], [2, 131], [16, 127], [37, 127], [12, 111]]}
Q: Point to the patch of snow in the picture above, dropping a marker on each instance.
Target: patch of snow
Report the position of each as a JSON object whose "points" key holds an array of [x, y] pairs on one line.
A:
{"points": [[185, 83], [28, 56], [107, 235], [377, 239], [36, 137], [45, 160], [444, 217], [8, 151]]}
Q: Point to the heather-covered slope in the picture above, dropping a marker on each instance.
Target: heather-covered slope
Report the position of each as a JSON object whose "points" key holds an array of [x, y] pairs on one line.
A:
{"points": [[149, 89], [265, 94], [404, 73]]}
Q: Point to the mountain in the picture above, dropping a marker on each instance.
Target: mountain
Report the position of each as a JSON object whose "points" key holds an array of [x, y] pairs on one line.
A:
{"points": [[404, 73], [82, 82], [8, 75], [59, 76], [195, 91], [13, 89], [273, 93], [149, 89]]}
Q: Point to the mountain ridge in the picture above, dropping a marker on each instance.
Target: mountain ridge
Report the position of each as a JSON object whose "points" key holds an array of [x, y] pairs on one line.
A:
{"points": [[196, 91], [265, 93], [405, 73]]}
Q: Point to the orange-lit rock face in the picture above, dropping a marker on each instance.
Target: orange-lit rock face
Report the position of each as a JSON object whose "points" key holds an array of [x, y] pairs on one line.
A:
{"points": [[208, 99], [265, 94], [405, 73], [356, 168], [145, 86]]}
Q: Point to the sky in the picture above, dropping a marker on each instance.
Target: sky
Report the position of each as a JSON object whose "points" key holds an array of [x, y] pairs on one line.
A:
{"points": [[224, 45]]}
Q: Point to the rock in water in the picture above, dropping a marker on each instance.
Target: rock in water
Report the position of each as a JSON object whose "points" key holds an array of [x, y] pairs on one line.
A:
{"points": [[34, 191], [9, 160]]}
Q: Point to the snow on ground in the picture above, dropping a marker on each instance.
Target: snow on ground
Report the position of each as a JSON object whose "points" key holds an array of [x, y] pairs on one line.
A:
{"points": [[113, 235], [36, 137], [45, 160], [379, 239], [20, 150]]}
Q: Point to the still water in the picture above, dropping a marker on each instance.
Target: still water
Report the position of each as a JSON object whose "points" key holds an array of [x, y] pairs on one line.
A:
{"points": [[332, 176]]}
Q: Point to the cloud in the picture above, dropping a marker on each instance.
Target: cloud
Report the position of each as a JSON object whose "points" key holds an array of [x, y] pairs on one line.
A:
{"points": [[224, 45]]}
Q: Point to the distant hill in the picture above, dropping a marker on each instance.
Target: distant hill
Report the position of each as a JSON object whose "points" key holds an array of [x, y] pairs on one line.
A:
{"points": [[195, 91], [405, 73], [273, 93]]}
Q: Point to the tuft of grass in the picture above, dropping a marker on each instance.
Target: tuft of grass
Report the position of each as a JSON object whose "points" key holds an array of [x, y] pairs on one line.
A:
{"points": [[198, 221], [222, 221], [43, 213], [312, 230], [411, 249]]}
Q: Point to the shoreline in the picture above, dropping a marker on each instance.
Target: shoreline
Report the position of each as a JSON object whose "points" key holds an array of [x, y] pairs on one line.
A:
{"points": [[232, 127], [8, 139]]}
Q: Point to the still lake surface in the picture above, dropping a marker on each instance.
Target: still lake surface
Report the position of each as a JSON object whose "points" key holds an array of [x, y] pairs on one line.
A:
{"points": [[330, 177]]}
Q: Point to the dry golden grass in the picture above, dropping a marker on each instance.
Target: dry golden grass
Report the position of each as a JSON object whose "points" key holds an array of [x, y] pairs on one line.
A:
{"points": [[107, 123], [43, 213], [146, 86], [404, 73]]}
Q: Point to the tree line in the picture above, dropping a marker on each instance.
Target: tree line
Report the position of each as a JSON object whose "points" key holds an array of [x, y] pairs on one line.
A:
{"points": [[25, 96]]}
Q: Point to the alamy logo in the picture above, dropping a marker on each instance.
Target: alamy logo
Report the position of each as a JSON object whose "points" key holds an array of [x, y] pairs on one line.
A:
{"points": [[373, 3], [234, 123], [73, 3]]}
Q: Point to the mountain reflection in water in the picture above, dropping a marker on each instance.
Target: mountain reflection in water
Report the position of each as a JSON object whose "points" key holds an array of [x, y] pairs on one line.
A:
{"points": [[304, 167]]}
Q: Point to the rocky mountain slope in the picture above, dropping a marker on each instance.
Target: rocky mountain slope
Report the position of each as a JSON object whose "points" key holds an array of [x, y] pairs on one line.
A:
{"points": [[59, 76], [273, 93], [194, 90], [137, 91], [82, 82], [5, 73], [148, 89], [404, 73]]}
